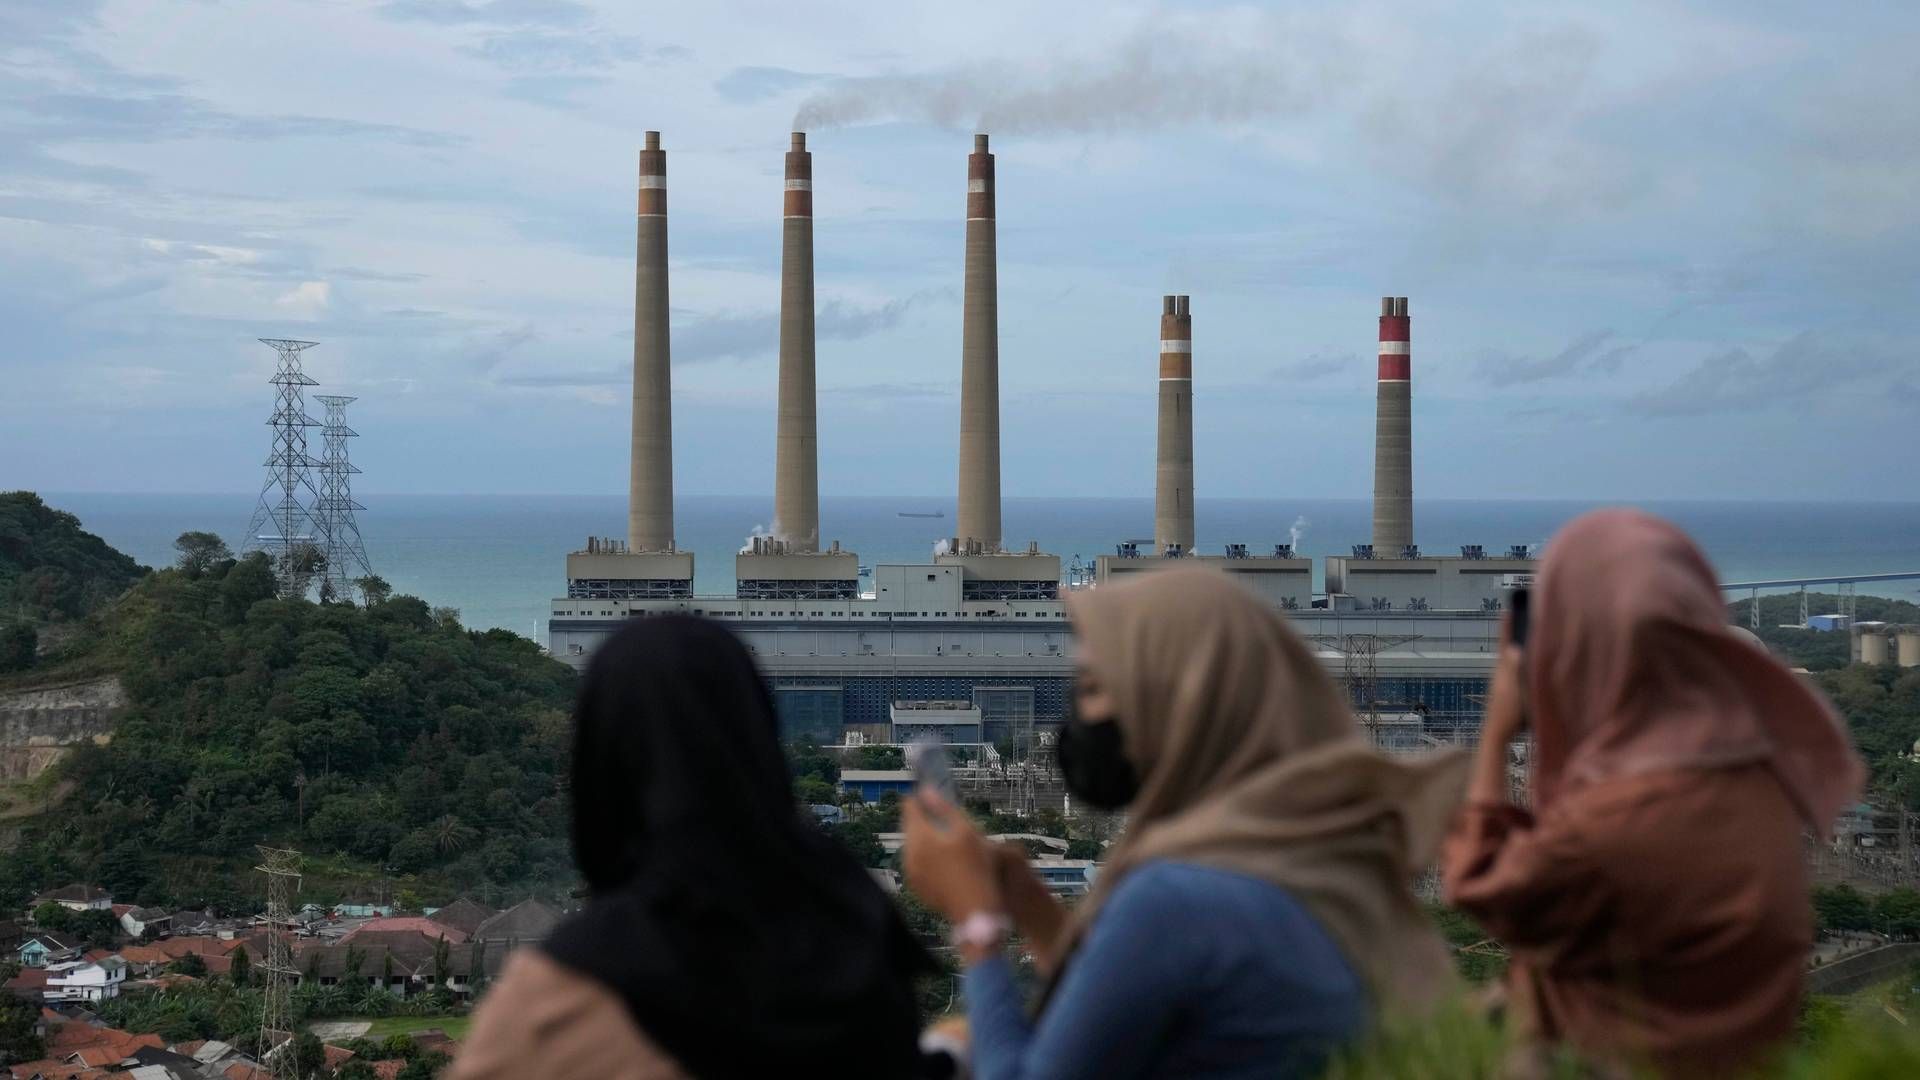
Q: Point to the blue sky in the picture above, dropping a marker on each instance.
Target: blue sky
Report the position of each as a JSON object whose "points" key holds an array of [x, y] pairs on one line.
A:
{"points": [[1651, 250]]}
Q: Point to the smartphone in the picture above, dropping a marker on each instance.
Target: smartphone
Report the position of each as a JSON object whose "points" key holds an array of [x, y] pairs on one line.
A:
{"points": [[1521, 607], [931, 770]]}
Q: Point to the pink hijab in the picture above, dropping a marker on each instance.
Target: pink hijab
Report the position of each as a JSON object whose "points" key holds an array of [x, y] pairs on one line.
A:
{"points": [[1632, 668]]}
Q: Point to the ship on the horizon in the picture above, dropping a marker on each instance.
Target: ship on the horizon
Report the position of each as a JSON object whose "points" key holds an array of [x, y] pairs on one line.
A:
{"points": [[917, 514]]}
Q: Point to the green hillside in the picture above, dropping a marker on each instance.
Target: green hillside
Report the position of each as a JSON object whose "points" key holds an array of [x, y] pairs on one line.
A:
{"points": [[385, 740], [51, 568]]}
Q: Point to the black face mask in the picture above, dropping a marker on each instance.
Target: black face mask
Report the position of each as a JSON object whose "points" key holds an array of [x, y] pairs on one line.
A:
{"points": [[1094, 763]]}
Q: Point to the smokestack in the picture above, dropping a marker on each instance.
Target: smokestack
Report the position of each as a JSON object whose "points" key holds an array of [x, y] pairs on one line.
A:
{"points": [[1393, 433], [650, 483], [1173, 471], [796, 472], [979, 518]]}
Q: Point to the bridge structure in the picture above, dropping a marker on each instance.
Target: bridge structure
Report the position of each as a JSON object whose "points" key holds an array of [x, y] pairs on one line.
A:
{"points": [[1845, 584]]}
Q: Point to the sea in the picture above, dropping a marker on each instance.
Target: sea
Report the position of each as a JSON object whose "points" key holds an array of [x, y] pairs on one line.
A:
{"points": [[499, 559]]}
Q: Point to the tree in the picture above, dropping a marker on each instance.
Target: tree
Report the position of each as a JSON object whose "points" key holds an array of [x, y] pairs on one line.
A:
{"points": [[309, 1056], [442, 963], [374, 589], [863, 842], [1841, 908], [200, 552], [1898, 913], [52, 917], [19, 645], [242, 971], [450, 834], [356, 1069], [424, 1067], [18, 1039], [191, 964]]}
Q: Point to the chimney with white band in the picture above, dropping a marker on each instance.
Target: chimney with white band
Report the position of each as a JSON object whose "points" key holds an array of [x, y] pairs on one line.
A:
{"points": [[1393, 434], [1173, 469], [650, 482], [796, 472], [979, 516]]}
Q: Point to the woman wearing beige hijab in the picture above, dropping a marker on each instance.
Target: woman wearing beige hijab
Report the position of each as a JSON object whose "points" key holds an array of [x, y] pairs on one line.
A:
{"points": [[1655, 898], [1258, 912]]}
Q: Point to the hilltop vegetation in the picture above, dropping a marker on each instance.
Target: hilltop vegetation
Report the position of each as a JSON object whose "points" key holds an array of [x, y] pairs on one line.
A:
{"points": [[384, 739], [50, 570]]}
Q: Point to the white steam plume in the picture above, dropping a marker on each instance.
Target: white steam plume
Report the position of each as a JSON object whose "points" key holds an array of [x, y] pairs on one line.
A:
{"points": [[1298, 530]]}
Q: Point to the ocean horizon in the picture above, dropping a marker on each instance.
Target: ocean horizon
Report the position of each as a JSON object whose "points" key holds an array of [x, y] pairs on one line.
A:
{"points": [[501, 558]]}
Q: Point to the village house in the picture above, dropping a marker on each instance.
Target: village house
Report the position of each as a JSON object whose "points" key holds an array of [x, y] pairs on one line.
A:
{"points": [[141, 921], [42, 949], [78, 898], [86, 980]]}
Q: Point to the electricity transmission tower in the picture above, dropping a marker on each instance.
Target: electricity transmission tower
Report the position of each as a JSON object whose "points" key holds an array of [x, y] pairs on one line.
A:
{"points": [[1360, 670], [345, 554], [282, 526], [282, 867]]}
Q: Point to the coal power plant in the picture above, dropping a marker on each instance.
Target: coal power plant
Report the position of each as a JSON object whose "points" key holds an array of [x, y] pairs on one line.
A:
{"points": [[973, 646]]}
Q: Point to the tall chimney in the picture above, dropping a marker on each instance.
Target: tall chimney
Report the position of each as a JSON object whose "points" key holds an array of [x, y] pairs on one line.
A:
{"points": [[1173, 470], [796, 471], [1393, 433], [979, 518], [650, 483]]}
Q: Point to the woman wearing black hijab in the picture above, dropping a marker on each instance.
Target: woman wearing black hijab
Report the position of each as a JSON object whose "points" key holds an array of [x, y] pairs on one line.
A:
{"points": [[725, 935]]}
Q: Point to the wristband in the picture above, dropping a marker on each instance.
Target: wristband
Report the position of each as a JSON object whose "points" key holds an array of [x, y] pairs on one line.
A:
{"points": [[982, 930]]}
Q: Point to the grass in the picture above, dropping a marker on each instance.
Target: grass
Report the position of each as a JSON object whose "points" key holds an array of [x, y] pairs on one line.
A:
{"points": [[1850, 1038], [454, 1026]]}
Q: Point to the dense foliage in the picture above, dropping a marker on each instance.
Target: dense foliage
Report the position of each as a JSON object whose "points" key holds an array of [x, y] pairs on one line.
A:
{"points": [[385, 737], [50, 568]]}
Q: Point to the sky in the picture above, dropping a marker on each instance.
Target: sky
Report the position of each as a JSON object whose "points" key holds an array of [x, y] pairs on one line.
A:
{"points": [[1651, 250]]}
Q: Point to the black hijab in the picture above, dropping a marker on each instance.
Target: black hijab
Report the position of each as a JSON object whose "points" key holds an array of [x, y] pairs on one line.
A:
{"points": [[744, 940]]}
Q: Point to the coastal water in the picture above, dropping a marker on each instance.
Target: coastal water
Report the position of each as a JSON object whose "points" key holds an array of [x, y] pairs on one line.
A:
{"points": [[500, 558]]}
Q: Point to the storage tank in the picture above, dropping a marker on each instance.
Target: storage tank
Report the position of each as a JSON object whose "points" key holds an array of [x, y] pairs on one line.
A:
{"points": [[1908, 642], [1873, 647]]}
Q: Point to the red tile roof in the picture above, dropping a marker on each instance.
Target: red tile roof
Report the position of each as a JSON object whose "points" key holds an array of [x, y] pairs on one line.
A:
{"points": [[416, 923], [389, 1070], [53, 1068]]}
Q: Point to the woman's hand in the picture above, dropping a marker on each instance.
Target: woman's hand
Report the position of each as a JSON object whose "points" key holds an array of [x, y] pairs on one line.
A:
{"points": [[1038, 916], [948, 864], [1506, 715]]}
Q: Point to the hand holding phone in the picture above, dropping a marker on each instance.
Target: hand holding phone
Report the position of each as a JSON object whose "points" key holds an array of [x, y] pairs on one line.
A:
{"points": [[931, 770], [1520, 615]]}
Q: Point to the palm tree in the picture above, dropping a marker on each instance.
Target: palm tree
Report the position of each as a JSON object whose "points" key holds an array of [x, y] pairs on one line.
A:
{"points": [[451, 834]]}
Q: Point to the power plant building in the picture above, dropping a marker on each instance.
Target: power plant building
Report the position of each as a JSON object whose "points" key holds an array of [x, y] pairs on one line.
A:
{"points": [[976, 643]]}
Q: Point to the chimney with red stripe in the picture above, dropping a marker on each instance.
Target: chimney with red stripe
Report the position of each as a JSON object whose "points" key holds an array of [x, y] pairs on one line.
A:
{"points": [[1393, 434]]}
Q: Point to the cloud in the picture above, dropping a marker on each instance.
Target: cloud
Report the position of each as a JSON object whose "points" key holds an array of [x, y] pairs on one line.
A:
{"points": [[741, 336], [548, 51], [307, 300], [1804, 370], [1310, 368], [749, 85], [562, 92], [104, 117], [489, 12], [1589, 353]]}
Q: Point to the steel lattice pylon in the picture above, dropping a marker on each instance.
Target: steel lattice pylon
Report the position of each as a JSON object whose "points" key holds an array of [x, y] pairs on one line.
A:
{"points": [[346, 554], [282, 867], [282, 524]]}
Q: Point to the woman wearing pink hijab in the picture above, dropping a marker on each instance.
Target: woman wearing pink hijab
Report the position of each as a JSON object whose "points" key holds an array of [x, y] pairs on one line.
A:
{"points": [[1655, 898]]}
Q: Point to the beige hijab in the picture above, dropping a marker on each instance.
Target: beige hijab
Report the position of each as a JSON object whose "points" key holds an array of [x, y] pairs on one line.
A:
{"points": [[1631, 668], [1250, 761]]}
